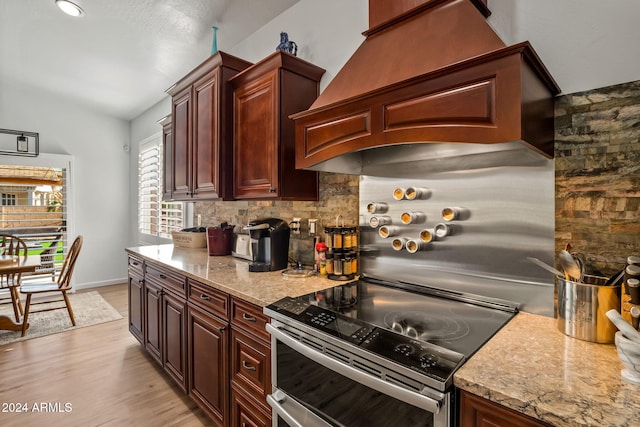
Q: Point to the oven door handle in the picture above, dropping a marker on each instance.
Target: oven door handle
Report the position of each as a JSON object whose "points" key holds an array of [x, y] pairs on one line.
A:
{"points": [[410, 397], [305, 418]]}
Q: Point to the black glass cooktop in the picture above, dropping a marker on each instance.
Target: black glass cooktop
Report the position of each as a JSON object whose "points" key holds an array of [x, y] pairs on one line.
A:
{"points": [[429, 334]]}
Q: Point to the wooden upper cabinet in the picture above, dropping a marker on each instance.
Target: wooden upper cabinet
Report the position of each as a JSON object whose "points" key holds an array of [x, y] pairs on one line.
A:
{"points": [[265, 94], [202, 122], [167, 156]]}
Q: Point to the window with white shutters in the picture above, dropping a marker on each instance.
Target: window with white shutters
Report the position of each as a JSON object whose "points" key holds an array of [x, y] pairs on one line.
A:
{"points": [[155, 217]]}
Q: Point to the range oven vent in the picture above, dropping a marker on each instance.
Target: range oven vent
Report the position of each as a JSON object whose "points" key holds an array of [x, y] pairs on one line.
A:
{"points": [[433, 73]]}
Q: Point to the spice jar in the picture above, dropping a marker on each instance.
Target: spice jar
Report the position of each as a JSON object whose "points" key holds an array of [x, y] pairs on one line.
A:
{"points": [[329, 263], [321, 258]]}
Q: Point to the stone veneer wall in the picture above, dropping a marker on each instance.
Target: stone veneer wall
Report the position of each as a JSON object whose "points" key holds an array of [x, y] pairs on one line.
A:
{"points": [[338, 196], [597, 159]]}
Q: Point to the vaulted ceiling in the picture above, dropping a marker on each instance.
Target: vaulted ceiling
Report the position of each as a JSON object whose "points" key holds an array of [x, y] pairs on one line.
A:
{"points": [[121, 55]]}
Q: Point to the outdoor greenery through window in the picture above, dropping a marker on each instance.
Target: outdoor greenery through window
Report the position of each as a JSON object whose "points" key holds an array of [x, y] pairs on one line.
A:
{"points": [[34, 209], [155, 217]]}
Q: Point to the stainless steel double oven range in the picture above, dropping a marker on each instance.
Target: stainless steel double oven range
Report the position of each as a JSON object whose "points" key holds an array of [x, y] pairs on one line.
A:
{"points": [[382, 351], [373, 353]]}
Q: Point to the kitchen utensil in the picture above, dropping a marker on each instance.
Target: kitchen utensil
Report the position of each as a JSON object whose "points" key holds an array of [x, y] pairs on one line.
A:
{"points": [[625, 327], [615, 279], [546, 266], [635, 317], [582, 308], [629, 354], [570, 265]]}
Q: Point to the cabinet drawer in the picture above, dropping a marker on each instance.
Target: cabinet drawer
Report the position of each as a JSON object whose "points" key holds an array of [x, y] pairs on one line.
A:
{"points": [[165, 278], [211, 299], [136, 266], [249, 317], [251, 365], [245, 413]]}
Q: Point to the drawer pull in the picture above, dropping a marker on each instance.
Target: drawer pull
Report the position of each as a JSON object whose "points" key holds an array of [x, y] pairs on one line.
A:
{"points": [[162, 276], [248, 318], [205, 297], [221, 329], [248, 367], [141, 281]]}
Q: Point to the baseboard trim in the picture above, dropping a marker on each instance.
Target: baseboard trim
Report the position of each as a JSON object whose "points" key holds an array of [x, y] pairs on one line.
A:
{"points": [[80, 286]]}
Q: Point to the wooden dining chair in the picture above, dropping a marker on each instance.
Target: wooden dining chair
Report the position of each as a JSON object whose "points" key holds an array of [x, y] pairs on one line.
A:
{"points": [[11, 246], [62, 286]]}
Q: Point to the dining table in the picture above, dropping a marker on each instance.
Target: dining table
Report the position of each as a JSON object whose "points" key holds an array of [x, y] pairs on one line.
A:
{"points": [[22, 264]]}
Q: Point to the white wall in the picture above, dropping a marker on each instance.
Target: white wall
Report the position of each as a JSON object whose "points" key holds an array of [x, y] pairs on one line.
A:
{"points": [[585, 44], [101, 173]]}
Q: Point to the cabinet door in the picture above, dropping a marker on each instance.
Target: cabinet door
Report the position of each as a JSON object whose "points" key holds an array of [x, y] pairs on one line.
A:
{"points": [[174, 310], [251, 365], [256, 138], [205, 137], [181, 135], [208, 363], [136, 306], [167, 162], [153, 320], [477, 411], [244, 413]]}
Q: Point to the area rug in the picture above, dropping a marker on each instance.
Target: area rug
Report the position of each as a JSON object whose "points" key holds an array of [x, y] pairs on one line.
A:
{"points": [[89, 308]]}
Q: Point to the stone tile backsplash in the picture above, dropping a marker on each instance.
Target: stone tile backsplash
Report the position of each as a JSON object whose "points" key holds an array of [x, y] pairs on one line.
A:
{"points": [[338, 196], [597, 159]]}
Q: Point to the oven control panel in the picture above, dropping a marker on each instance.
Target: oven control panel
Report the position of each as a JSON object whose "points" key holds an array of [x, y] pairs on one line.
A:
{"points": [[335, 324]]}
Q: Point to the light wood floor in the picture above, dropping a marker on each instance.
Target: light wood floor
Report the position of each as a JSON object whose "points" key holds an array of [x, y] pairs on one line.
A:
{"points": [[100, 372]]}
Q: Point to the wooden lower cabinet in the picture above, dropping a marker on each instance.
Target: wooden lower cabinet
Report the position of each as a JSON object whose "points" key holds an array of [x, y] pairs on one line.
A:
{"points": [[153, 320], [136, 306], [480, 412], [174, 337], [208, 363], [215, 347], [244, 412]]}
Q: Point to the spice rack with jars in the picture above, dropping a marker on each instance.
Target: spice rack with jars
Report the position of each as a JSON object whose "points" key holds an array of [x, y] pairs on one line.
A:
{"points": [[342, 251]]}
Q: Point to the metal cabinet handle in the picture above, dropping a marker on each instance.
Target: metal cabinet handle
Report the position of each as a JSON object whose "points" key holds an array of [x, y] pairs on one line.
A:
{"points": [[221, 329], [248, 318], [248, 367], [162, 276], [205, 297], [272, 190], [141, 281]]}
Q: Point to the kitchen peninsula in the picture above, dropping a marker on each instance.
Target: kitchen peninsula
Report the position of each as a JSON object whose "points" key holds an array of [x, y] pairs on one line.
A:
{"points": [[529, 366]]}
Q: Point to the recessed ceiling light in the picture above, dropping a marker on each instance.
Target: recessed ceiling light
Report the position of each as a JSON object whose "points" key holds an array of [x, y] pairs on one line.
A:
{"points": [[69, 8]]}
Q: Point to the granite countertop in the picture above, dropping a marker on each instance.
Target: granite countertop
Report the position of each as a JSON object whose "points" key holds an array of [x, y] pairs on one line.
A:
{"points": [[533, 368], [529, 365], [231, 275]]}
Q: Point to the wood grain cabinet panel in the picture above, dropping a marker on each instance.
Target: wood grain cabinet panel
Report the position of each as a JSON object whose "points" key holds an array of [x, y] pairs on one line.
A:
{"points": [[136, 305], [202, 126], [208, 363], [265, 94], [244, 412], [251, 365], [153, 320], [174, 356], [476, 411]]}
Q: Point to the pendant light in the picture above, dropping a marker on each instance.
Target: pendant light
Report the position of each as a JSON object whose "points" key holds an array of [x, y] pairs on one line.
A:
{"points": [[70, 8]]}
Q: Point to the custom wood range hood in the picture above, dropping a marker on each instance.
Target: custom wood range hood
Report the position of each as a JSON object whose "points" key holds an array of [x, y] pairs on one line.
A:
{"points": [[434, 82]]}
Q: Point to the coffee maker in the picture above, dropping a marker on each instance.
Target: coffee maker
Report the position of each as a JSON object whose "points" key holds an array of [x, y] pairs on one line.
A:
{"points": [[269, 244]]}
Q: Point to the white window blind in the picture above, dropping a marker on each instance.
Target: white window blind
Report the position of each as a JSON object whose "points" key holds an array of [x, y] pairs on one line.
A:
{"points": [[34, 208], [155, 217]]}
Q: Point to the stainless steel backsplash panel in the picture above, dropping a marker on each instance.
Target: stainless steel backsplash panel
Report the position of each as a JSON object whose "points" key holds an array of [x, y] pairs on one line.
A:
{"points": [[510, 216]]}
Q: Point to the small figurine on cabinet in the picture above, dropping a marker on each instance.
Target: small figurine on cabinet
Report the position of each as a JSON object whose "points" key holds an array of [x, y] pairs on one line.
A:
{"points": [[287, 45]]}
